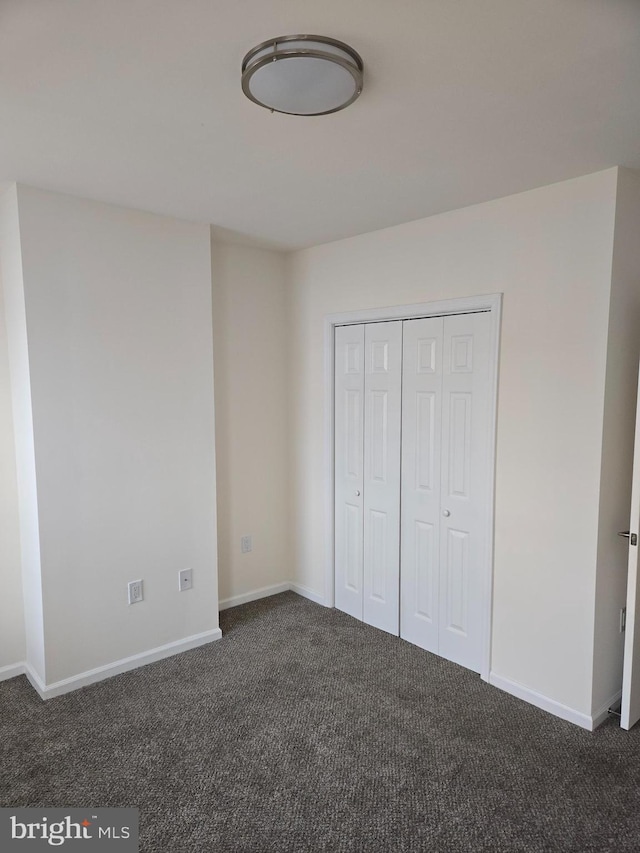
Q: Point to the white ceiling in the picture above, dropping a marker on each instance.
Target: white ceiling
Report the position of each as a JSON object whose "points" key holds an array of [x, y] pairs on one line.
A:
{"points": [[138, 102]]}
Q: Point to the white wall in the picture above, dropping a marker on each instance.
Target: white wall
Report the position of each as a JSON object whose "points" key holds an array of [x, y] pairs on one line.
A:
{"points": [[118, 324], [550, 252], [118, 319], [623, 353], [252, 435], [12, 626]]}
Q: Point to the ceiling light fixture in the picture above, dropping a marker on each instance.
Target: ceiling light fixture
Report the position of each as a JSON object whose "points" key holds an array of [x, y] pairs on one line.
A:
{"points": [[302, 75]]}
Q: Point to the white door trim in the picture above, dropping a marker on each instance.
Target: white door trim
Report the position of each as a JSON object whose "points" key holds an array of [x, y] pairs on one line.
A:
{"points": [[465, 305]]}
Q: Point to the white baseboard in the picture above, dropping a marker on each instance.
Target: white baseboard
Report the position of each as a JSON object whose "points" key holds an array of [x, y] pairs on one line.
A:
{"points": [[541, 701], [603, 714], [12, 671], [254, 595], [266, 591], [58, 688], [305, 592], [83, 679]]}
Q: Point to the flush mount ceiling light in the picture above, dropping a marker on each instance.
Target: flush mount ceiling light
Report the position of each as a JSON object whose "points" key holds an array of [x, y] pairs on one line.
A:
{"points": [[302, 75]]}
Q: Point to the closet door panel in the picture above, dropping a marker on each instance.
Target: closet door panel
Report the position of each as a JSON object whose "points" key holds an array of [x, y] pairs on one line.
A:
{"points": [[421, 440], [383, 379], [349, 453], [464, 497]]}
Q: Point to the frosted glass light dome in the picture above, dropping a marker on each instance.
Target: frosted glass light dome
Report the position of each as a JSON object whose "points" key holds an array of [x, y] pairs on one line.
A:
{"points": [[302, 75]]}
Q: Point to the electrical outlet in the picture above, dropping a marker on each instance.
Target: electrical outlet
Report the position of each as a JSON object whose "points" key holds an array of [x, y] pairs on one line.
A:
{"points": [[246, 544], [185, 580], [623, 619], [135, 592]]}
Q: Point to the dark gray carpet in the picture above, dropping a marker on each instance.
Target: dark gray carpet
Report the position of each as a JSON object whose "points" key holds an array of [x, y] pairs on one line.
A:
{"points": [[303, 729]]}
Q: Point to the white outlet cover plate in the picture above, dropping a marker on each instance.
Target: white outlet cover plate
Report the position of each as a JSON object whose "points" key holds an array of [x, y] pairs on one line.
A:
{"points": [[136, 592]]}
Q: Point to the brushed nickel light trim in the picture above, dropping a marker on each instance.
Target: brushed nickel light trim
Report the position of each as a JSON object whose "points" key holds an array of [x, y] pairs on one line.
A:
{"points": [[288, 49]]}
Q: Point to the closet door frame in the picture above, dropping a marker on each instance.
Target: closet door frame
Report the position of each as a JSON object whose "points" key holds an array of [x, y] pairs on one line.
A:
{"points": [[492, 304]]}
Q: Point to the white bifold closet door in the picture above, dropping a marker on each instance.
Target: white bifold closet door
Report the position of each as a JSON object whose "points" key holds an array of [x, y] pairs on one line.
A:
{"points": [[368, 376], [349, 463], [412, 479], [445, 497], [382, 420]]}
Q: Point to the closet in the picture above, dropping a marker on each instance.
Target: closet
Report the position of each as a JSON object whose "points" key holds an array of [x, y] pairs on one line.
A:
{"points": [[411, 455]]}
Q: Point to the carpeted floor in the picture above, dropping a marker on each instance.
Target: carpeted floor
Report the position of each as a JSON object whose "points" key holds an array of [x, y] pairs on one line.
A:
{"points": [[305, 730]]}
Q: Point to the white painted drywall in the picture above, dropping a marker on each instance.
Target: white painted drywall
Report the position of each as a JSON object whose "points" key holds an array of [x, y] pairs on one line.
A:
{"points": [[250, 333], [12, 626], [549, 251], [118, 324], [623, 353]]}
